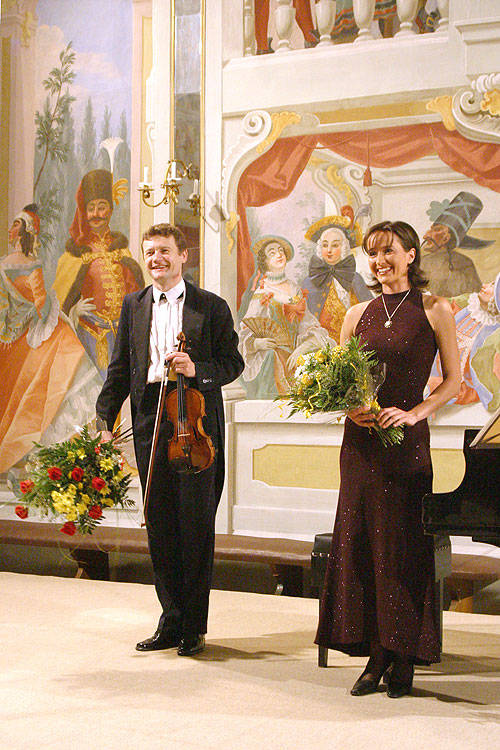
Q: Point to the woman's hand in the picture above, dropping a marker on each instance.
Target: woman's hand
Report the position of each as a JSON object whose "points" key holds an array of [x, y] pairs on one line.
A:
{"points": [[391, 416], [362, 416]]}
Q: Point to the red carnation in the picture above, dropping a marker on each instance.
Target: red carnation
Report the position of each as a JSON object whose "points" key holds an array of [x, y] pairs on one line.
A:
{"points": [[95, 512], [97, 449], [26, 486], [69, 528], [77, 473], [98, 483], [21, 511], [54, 473]]}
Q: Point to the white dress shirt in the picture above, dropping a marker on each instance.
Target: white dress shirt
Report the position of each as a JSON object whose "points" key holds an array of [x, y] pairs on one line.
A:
{"points": [[166, 324]]}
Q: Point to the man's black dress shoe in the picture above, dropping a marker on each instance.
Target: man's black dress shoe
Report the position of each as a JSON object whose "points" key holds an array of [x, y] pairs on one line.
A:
{"points": [[191, 645], [160, 640]]}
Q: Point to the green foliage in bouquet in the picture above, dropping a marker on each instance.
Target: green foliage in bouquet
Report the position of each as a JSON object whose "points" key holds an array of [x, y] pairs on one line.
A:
{"points": [[337, 379], [75, 480]]}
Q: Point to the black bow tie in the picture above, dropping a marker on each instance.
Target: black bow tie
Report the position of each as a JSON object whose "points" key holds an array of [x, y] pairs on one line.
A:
{"points": [[322, 273]]}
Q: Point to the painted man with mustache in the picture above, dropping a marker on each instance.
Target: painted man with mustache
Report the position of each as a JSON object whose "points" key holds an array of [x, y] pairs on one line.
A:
{"points": [[97, 269], [451, 273]]}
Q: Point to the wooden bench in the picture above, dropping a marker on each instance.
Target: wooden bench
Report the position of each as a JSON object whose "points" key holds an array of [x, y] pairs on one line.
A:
{"points": [[287, 558], [470, 573]]}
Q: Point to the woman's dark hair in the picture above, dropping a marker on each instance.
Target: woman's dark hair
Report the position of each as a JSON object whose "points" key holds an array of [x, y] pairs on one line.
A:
{"points": [[165, 230], [27, 239], [409, 240]]}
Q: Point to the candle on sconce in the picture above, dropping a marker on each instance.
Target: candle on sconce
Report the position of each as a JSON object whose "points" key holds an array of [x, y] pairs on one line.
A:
{"points": [[173, 171], [196, 187], [146, 175]]}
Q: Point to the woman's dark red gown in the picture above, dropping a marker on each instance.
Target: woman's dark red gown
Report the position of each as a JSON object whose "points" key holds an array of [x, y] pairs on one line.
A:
{"points": [[380, 578]]}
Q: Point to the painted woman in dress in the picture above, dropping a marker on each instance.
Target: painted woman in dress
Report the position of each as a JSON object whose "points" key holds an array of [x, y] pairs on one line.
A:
{"points": [[48, 382], [277, 326], [379, 595]]}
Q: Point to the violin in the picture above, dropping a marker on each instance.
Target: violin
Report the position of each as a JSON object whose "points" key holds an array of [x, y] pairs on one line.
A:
{"points": [[190, 449]]}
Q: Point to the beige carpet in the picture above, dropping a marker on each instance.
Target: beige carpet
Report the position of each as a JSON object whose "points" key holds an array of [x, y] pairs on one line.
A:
{"points": [[70, 678]]}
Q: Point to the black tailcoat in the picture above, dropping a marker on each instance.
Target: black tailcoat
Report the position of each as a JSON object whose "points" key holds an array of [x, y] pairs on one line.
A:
{"points": [[181, 510]]}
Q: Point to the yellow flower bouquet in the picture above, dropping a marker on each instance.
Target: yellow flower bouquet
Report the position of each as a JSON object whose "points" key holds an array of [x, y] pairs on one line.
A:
{"points": [[75, 481], [337, 379]]}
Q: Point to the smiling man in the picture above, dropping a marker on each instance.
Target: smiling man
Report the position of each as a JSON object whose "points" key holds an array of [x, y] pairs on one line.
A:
{"points": [[180, 516]]}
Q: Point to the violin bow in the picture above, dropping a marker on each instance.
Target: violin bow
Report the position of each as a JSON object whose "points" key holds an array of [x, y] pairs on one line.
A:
{"points": [[154, 442]]}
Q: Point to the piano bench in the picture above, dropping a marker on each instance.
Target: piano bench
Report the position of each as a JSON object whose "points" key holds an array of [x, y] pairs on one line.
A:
{"points": [[319, 560], [470, 573]]}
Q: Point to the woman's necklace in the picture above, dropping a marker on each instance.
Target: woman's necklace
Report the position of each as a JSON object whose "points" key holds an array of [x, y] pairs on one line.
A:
{"points": [[388, 322]]}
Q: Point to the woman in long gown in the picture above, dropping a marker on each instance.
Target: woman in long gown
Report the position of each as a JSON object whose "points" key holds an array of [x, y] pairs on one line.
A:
{"points": [[379, 590], [48, 382]]}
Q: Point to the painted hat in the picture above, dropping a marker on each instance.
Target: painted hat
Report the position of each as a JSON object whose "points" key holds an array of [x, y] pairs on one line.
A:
{"points": [[96, 184], [264, 241], [459, 215], [353, 234], [30, 216]]}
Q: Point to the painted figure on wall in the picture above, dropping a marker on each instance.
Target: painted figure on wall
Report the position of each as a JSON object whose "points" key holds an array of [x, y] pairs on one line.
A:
{"points": [[303, 17], [47, 377], [477, 320], [97, 269], [333, 283], [276, 327], [451, 273]]}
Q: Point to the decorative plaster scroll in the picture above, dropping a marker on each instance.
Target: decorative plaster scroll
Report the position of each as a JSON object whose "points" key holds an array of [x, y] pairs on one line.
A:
{"points": [[338, 181], [475, 114], [347, 180], [442, 105], [280, 121], [229, 226], [258, 127]]}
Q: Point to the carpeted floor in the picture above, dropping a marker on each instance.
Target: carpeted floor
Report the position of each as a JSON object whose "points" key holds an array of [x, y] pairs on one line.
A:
{"points": [[71, 679]]}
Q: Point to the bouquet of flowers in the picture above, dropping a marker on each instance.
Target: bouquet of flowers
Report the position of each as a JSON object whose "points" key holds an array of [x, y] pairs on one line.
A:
{"points": [[75, 480], [337, 379]]}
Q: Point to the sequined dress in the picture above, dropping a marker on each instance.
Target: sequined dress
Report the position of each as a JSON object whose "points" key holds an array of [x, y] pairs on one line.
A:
{"points": [[380, 579]]}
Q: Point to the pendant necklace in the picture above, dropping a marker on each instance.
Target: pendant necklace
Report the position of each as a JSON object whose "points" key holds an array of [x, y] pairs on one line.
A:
{"points": [[388, 322]]}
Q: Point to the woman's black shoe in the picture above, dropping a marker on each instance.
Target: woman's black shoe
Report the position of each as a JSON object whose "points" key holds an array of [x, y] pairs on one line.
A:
{"points": [[365, 685], [400, 680]]}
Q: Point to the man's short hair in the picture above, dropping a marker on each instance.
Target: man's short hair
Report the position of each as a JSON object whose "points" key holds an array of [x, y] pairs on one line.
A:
{"points": [[165, 230]]}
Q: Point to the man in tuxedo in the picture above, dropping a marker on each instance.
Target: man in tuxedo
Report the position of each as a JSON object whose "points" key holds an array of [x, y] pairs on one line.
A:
{"points": [[180, 516]]}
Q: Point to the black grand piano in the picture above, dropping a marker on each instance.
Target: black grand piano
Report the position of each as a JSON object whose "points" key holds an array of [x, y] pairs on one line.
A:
{"points": [[473, 509]]}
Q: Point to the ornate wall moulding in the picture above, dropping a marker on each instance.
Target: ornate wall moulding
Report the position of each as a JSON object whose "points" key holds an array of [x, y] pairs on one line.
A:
{"points": [[260, 131], [476, 109], [472, 110]]}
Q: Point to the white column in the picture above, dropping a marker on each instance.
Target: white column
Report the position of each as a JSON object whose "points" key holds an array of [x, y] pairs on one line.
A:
{"points": [[249, 27], [285, 16], [161, 81], [444, 10], [325, 18], [407, 10], [363, 11], [18, 24]]}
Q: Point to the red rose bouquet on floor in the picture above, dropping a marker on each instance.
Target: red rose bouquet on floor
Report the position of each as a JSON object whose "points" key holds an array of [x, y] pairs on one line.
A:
{"points": [[75, 481]]}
